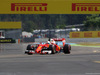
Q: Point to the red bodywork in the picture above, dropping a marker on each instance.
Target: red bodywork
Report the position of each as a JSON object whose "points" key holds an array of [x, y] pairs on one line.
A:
{"points": [[63, 41], [41, 46], [60, 39]]}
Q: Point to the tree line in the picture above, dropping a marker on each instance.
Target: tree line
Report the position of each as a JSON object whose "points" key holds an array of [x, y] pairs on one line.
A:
{"points": [[92, 23], [31, 22]]}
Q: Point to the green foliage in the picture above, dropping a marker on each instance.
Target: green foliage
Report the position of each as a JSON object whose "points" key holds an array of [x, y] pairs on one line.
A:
{"points": [[60, 26], [92, 23], [43, 21], [29, 26]]}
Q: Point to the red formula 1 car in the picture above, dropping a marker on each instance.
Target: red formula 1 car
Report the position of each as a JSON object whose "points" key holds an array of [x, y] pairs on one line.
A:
{"points": [[49, 47]]}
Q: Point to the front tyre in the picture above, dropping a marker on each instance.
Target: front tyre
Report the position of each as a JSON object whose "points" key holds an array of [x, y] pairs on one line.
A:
{"points": [[29, 47], [52, 48], [66, 49]]}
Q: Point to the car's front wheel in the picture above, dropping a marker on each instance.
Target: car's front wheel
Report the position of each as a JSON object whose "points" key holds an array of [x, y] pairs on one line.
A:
{"points": [[52, 48]]}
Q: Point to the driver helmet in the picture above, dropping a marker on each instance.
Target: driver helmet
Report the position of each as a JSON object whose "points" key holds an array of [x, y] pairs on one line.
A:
{"points": [[48, 42], [52, 41]]}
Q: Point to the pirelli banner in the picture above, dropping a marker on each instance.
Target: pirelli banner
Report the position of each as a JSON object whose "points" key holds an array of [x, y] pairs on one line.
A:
{"points": [[85, 34], [49, 6], [10, 25]]}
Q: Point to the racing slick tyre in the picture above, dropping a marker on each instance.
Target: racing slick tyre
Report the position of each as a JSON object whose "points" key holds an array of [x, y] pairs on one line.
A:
{"points": [[26, 52], [70, 47], [30, 48], [66, 49], [29, 53], [52, 48]]}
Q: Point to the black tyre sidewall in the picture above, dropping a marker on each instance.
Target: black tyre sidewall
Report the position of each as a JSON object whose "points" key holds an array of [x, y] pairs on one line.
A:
{"points": [[29, 47], [52, 48], [66, 49]]}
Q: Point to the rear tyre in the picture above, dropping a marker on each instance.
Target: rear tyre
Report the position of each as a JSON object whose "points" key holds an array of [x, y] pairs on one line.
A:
{"points": [[66, 49], [70, 47]]}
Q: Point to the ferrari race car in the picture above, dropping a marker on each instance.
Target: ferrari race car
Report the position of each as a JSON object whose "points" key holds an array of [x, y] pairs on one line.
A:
{"points": [[56, 45]]}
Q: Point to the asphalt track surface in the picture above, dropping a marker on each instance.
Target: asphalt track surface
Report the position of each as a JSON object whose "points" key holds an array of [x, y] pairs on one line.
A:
{"points": [[81, 61]]}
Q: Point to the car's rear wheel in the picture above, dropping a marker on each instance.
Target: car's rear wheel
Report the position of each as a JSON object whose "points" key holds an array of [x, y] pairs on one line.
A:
{"points": [[70, 47], [66, 49]]}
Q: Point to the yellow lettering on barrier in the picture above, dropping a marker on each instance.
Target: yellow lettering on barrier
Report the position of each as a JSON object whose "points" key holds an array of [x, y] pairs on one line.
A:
{"points": [[5, 40]]}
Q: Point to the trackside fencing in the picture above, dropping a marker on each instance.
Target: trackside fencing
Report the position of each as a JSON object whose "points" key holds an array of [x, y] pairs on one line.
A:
{"points": [[72, 40]]}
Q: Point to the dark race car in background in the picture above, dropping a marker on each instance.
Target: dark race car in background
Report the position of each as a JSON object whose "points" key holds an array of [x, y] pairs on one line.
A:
{"points": [[48, 48]]}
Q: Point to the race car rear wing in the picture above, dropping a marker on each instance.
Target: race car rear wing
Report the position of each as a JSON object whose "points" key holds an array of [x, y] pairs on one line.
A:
{"points": [[60, 39]]}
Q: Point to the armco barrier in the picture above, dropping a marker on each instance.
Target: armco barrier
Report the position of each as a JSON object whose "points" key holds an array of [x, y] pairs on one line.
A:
{"points": [[83, 40], [41, 39], [72, 40], [26, 40]]}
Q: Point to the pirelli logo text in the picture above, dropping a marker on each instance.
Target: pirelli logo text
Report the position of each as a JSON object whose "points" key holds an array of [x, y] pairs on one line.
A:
{"points": [[29, 6], [85, 6], [75, 35]]}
